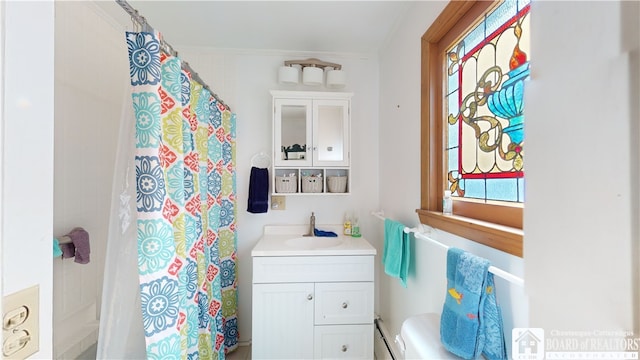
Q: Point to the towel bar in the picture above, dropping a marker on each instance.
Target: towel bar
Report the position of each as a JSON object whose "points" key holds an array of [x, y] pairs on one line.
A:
{"points": [[261, 160], [418, 233], [63, 239]]}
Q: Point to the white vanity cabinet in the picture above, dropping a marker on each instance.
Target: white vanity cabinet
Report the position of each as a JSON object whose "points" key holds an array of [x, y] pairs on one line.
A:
{"points": [[311, 139], [282, 321], [313, 307]]}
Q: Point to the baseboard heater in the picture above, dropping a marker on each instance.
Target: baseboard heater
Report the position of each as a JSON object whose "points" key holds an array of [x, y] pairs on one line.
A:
{"points": [[383, 349]]}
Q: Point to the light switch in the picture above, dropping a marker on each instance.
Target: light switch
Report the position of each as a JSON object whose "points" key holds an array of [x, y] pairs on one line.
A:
{"points": [[15, 317], [20, 329]]}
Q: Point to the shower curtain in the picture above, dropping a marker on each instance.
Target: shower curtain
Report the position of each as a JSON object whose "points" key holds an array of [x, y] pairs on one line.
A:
{"points": [[184, 212]]}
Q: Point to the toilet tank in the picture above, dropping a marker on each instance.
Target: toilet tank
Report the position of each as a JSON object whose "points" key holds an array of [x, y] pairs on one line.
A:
{"points": [[420, 335]]}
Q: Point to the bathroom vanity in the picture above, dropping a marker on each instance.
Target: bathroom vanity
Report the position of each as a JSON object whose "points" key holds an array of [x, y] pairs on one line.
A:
{"points": [[312, 296]]}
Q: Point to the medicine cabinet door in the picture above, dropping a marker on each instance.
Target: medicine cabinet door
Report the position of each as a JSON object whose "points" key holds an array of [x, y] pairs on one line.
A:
{"points": [[292, 132], [331, 133]]}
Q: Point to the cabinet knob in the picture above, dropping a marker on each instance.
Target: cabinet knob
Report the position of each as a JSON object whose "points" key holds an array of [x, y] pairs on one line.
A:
{"points": [[344, 348], [345, 305], [309, 297]]}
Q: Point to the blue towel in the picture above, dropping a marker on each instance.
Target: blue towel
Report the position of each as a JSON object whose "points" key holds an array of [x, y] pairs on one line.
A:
{"points": [[322, 233], [397, 251], [258, 191], [471, 321]]}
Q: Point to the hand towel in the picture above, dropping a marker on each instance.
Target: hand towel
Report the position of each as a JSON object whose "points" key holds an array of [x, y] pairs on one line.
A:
{"points": [[78, 247], [258, 190], [471, 321], [397, 251], [322, 233], [56, 248]]}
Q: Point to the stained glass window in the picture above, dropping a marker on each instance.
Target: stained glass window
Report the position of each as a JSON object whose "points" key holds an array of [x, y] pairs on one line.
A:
{"points": [[486, 73]]}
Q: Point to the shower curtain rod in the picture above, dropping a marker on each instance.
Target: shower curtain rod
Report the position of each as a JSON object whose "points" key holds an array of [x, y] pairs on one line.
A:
{"points": [[165, 46]]}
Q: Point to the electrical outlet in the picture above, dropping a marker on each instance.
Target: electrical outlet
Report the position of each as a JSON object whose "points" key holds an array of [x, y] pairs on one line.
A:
{"points": [[20, 332], [278, 202]]}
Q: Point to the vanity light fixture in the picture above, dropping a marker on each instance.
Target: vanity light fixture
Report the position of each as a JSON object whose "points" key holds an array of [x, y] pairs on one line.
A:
{"points": [[336, 78], [288, 75], [312, 75], [313, 72]]}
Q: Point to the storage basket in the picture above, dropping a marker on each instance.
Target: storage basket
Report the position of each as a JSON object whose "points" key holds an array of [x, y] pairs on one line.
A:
{"points": [[311, 184], [286, 184], [337, 184]]}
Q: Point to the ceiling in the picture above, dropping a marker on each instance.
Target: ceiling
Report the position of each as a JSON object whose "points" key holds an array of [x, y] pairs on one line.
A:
{"points": [[313, 26]]}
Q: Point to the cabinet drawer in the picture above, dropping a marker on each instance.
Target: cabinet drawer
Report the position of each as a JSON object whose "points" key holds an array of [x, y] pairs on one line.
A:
{"points": [[344, 303], [343, 342], [274, 269]]}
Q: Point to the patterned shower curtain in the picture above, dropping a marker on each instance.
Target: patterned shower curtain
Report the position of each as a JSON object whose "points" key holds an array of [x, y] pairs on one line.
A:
{"points": [[186, 186]]}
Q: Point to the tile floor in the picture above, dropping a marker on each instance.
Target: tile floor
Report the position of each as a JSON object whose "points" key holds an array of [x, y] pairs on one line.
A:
{"points": [[241, 353]]}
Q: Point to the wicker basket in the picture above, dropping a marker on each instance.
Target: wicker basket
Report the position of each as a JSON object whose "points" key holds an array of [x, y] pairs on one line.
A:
{"points": [[337, 184], [311, 184], [286, 184]]}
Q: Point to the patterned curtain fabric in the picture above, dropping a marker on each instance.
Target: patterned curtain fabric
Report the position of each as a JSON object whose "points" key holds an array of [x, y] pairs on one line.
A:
{"points": [[185, 174]]}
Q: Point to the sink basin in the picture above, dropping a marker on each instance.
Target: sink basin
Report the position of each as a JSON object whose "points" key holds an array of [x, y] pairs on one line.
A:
{"points": [[313, 242], [287, 240]]}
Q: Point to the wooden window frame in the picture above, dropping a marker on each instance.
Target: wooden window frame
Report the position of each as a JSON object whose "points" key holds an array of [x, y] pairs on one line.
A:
{"points": [[497, 226]]}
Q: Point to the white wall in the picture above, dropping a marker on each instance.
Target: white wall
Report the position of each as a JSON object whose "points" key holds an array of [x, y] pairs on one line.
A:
{"points": [[27, 155], [629, 21], [91, 82], [2, 71], [581, 217], [400, 187]]}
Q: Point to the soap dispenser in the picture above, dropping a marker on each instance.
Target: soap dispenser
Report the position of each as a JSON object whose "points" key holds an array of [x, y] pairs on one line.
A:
{"points": [[347, 225], [355, 228], [447, 203]]}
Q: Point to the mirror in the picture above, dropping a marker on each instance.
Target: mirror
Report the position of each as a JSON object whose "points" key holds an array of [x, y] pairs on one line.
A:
{"points": [[330, 139], [293, 131]]}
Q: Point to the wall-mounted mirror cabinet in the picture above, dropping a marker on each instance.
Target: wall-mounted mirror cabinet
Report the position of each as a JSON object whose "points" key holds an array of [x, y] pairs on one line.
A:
{"points": [[311, 142]]}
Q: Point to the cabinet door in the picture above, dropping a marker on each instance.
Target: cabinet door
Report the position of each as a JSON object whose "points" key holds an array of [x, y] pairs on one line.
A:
{"points": [[330, 132], [282, 321], [292, 132]]}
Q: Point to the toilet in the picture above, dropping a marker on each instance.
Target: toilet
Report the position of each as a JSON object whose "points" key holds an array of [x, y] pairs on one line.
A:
{"points": [[419, 338]]}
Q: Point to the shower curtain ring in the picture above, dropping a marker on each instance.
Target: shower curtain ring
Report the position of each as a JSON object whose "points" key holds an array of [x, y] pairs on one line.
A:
{"points": [[134, 24]]}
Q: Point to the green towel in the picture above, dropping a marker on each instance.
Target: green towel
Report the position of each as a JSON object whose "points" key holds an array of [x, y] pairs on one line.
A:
{"points": [[57, 252], [397, 251]]}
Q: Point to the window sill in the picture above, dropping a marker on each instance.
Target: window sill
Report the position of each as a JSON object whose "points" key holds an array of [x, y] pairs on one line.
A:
{"points": [[499, 237]]}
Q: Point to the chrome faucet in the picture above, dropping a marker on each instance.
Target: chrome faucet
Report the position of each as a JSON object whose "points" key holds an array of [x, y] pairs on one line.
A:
{"points": [[312, 225]]}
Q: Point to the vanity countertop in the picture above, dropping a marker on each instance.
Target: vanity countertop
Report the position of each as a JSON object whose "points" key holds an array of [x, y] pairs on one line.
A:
{"points": [[287, 240]]}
